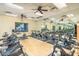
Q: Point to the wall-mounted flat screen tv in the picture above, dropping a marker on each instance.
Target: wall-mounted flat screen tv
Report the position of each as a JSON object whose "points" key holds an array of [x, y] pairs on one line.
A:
{"points": [[21, 27]]}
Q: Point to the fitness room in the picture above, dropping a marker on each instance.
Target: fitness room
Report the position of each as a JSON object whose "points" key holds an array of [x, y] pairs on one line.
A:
{"points": [[39, 29]]}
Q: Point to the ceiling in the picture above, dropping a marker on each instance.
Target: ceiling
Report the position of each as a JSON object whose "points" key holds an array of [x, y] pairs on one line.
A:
{"points": [[72, 8]]}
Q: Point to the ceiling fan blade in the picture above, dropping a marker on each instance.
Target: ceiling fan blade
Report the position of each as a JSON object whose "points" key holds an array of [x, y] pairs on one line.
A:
{"points": [[25, 16], [44, 10], [21, 16], [40, 11], [36, 11]]}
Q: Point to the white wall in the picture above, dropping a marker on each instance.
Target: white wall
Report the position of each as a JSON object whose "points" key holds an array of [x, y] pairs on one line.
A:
{"points": [[7, 23]]}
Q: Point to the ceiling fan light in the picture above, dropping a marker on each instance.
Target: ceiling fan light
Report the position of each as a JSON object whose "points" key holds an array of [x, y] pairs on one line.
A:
{"points": [[39, 14]]}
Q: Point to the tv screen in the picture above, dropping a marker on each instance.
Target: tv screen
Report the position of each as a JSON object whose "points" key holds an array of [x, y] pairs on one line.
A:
{"points": [[21, 27]]}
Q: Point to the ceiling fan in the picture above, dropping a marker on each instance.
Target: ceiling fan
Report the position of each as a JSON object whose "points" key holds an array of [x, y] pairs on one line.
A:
{"points": [[23, 16], [39, 9], [63, 17]]}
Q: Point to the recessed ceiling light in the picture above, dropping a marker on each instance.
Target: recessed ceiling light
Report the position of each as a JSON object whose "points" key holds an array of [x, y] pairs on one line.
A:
{"points": [[13, 5], [60, 5]]}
